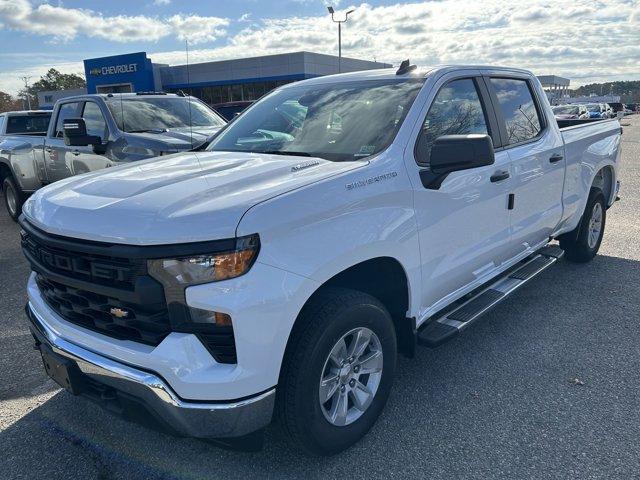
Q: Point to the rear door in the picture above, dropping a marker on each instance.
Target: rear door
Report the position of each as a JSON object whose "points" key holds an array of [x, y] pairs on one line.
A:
{"points": [[463, 225], [59, 157], [536, 151]]}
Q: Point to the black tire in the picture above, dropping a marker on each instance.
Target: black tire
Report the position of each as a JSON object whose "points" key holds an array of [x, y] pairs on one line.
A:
{"points": [[576, 244], [323, 322], [13, 198]]}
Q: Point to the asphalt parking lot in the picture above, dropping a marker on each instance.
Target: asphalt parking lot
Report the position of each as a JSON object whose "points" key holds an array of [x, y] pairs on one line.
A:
{"points": [[547, 386]]}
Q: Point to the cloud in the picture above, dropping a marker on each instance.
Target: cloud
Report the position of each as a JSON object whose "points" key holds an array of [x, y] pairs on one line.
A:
{"points": [[538, 35], [161, 2], [535, 35], [65, 24], [197, 29], [533, 15]]}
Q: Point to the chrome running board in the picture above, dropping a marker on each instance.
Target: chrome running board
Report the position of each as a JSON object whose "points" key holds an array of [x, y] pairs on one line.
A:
{"points": [[445, 326]]}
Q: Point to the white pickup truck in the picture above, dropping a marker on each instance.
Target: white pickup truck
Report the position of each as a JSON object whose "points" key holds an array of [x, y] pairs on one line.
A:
{"points": [[336, 222]]}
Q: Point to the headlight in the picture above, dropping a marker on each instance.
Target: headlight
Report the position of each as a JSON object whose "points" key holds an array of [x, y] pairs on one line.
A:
{"points": [[207, 267]]}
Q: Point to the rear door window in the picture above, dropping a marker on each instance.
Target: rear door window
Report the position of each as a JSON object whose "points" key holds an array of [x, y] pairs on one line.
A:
{"points": [[28, 124], [521, 116], [67, 110]]}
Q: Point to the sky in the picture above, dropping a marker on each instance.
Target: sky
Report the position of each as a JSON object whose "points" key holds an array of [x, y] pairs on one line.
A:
{"points": [[585, 40]]}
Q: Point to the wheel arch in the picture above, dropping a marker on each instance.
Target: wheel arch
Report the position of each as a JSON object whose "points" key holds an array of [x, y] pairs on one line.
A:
{"points": [[384, 278], [5, 170], [604, 179]]}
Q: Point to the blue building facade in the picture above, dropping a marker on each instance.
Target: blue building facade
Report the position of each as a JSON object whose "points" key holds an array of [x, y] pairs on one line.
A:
{"points": [[132, 72], [240, 79]]}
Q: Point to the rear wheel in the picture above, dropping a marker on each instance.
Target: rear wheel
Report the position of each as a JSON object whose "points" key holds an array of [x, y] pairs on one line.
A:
{"points": [[12, 198], [582, 244], [337, 372]]}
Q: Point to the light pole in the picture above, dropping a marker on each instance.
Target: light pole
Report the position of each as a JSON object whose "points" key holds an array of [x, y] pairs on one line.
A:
{"points": [[26, 90], [339, 22]]}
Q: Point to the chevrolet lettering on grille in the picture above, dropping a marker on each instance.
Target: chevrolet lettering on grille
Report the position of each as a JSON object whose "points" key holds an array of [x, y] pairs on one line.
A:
{"points": [[78, 265]]}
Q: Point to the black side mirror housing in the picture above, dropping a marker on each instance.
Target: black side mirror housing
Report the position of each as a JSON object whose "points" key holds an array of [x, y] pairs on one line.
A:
{"points": [[75, 133], [452, 153]]}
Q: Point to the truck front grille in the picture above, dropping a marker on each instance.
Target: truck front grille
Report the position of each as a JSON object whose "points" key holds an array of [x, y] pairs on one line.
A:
{"points": [[98, 269], [106, 315], [106, 288]]}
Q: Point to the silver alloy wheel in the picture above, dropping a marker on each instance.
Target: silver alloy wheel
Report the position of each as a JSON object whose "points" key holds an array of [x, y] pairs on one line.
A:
{"points": [[351, 376], [595, 225], [12, 201]]}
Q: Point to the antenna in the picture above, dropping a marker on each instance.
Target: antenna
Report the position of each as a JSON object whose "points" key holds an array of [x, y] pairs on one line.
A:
{"points": [[124, 128], [405, 67], [186, 44]]}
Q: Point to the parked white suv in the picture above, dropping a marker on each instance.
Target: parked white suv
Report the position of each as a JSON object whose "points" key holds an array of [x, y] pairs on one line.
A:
{"points": [[336, 222]]}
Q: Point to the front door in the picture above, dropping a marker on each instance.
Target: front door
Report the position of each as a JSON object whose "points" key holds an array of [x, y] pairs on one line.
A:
{"points": [[537, 158], [59, 157], [87, 159], [464, 224]]}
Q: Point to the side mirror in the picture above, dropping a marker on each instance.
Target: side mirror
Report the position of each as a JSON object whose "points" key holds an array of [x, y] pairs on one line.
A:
{"points": [[452, 153], [75, 133]]}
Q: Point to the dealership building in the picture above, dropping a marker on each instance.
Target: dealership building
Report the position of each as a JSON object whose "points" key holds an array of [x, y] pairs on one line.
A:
{"points": [[213, 82], [228, 80]]}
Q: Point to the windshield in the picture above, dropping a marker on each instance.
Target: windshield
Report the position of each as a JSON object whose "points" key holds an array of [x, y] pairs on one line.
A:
{"points": [[28, 124], [593, 108], [146, 114], [340, 121], [566, 110]]}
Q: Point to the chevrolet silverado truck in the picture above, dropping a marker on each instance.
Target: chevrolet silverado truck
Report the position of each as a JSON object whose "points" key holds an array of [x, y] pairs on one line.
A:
{"points": [[120, 128], [278, 273]]}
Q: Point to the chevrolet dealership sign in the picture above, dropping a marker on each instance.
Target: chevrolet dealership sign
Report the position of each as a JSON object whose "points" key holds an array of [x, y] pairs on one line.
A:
{"points": [[115, 69]]}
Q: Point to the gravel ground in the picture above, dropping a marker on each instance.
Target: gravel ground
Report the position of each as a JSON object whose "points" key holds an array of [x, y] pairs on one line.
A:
{"points": [[544, 387]]}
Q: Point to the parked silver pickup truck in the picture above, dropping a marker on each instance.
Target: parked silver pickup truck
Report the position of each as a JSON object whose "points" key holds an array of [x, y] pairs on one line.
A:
{"points": [[24, 122], [127, 127]]}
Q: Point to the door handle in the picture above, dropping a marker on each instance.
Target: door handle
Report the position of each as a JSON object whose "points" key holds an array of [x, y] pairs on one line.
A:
{"points": [[76, 152], [499, 176], [48, 150], [555, 158]]}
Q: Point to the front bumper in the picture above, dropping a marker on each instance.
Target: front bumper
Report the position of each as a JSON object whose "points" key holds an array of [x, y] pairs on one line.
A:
{"points": [[145, 397]]}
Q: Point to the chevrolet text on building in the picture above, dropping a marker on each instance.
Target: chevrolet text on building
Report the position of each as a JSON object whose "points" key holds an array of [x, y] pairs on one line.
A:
{"points": [[257, 290], [115, 69]]}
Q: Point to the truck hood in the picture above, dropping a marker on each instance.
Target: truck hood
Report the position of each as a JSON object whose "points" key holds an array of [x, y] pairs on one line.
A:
{"points": [[181, 198]]}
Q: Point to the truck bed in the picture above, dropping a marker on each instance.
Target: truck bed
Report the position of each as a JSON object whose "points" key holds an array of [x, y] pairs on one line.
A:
{"points": [[579, 121]]}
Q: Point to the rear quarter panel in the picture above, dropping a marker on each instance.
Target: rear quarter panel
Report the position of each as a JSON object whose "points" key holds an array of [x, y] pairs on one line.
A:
{"points": [[588, 149], [24, 155]]}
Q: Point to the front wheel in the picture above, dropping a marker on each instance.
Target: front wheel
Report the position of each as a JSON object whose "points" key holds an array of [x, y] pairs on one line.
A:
{"points": [[582, 244], [337, 372], [12, 198]]}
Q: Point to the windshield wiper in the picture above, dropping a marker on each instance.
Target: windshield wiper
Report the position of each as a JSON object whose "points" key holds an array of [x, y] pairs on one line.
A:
{"points": [[149, 130], [285, 152]]}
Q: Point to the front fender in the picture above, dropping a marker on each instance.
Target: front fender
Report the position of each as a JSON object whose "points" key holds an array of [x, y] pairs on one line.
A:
{"points": [[323, 229]]}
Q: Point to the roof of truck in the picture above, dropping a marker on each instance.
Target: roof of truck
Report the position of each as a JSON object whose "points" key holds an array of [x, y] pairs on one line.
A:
{"points": [[117, 96], [390, 73], [17, 113]]}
